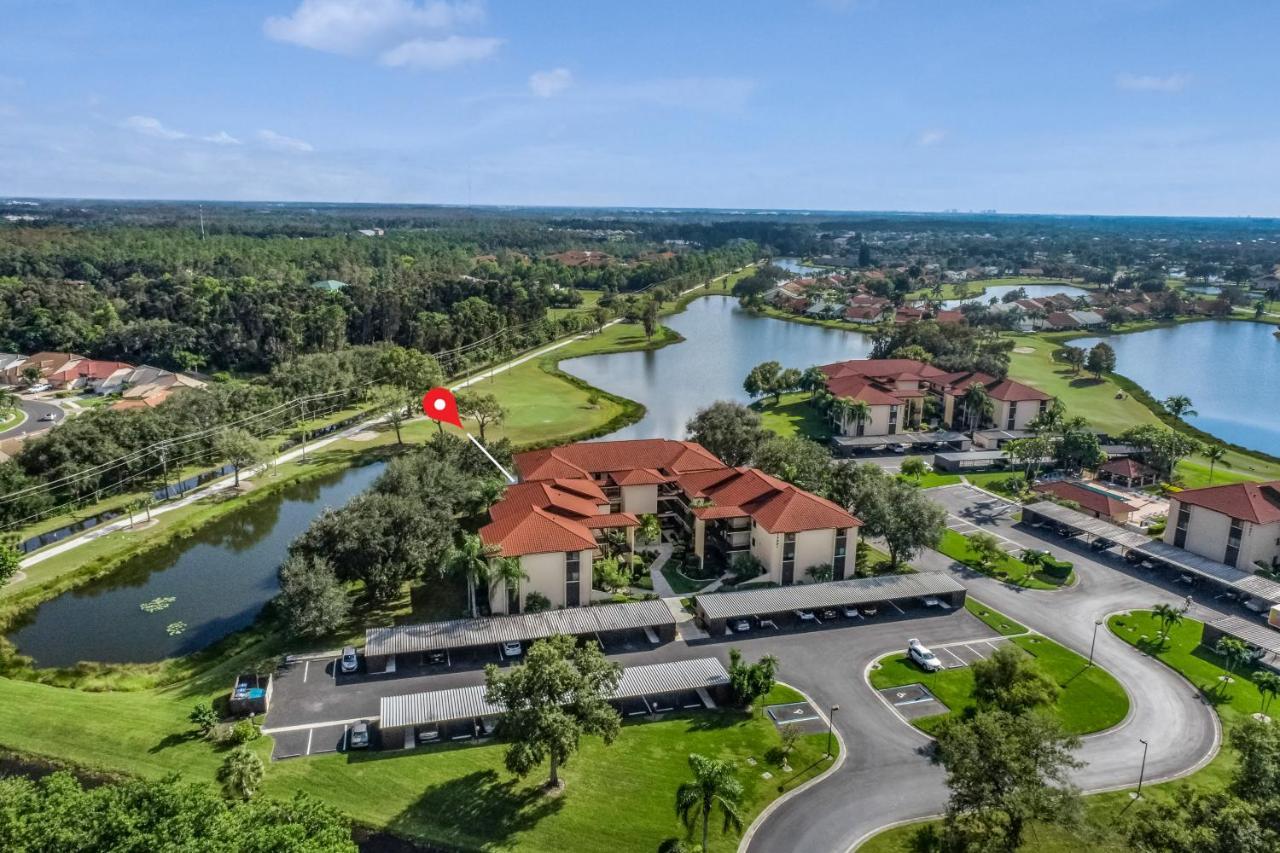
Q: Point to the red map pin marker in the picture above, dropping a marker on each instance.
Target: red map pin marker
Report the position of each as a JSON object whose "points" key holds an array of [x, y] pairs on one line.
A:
{"points": [[439, 405]]}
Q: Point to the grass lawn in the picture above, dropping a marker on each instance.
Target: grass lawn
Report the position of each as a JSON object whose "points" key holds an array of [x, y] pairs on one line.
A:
{"points": [[1007, 568], [1091, 699], [680, 584], [457, 796], [589, 300], [794, 414], [993, 618], [994, 481], [11, 419], [934, 479]]}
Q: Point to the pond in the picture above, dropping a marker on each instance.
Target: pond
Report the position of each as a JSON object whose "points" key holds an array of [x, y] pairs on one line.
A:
{"points": [[219, 579], [722, 344], [1229, 369], [1034, 291]]}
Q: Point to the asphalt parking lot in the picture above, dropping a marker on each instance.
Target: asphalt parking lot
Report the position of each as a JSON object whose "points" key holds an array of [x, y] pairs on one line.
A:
{"points": [[313, 703], [913, 701]]}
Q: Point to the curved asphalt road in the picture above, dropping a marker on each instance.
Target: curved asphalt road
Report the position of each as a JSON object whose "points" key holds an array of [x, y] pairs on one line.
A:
{"points": [[35, 409], [887, 778]]}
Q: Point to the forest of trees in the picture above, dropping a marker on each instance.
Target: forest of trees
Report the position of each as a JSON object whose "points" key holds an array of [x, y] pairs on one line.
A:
{"points": [[232, 302]]}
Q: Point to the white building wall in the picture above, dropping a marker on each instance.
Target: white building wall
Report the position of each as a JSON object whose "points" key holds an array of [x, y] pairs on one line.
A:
{"points": [[640, 499], [546, 574]]}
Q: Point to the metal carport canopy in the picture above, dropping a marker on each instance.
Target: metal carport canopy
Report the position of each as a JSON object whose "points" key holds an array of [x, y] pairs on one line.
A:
{"points": [[939, 437], [1245, 582], [462, 703], [1254, 633], [731, 605], [463, 633], [1086, 523]]}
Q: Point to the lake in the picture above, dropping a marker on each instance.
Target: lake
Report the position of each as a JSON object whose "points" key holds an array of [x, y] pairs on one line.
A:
{"points": [[794, 265], [1034, 291], [722, 344], [219, 578], [1229, 369]]}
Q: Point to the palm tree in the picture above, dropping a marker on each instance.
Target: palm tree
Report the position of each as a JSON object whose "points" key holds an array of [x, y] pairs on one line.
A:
{"points": [[471, 561], [858, 411], [8, 401], [1215, 453], [1168, 616], [978, 405], [505, 573], [241, 773], [1268, 684], [713, 786], [1179, 405], [650, 527], [1235, 653]]}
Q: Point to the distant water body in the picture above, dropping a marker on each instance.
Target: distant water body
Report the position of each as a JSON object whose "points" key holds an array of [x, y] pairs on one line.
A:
{"points": [[1229, 369]]}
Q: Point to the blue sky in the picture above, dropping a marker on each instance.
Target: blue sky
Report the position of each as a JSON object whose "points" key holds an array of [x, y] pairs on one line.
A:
{"points": [[1122, 106]]}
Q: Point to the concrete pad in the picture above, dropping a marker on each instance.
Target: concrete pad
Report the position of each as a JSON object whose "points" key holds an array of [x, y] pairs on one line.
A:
{"points": [[913, 701]]}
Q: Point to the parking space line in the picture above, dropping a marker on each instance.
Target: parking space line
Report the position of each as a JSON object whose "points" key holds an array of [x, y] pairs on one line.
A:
{"points": [[959, 660], [310, 733], [306, 670], [896, 607]]}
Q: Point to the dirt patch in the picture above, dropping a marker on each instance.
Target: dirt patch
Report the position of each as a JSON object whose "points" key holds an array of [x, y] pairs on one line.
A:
{"points": [[1025, 350], [141, 525]]}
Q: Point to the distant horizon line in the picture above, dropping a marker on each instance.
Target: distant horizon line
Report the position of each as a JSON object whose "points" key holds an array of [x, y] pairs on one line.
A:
{"points": [[735, 210]]}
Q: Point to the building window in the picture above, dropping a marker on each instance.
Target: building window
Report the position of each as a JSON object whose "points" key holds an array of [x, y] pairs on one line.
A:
{"points": [[1233, 542], [788, 558], [893, 419], [842, 547], [1044, 406], [1180, 531], [1013, 415], [572, 576]]}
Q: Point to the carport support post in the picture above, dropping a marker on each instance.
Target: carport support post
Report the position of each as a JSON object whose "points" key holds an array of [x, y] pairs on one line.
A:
{"points": [[830, 722], [1096, 624]]}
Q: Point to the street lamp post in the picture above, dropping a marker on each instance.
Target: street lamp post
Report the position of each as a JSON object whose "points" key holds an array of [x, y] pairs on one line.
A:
{"points": [[1096, 624], [830, 722], [1143, 771]]}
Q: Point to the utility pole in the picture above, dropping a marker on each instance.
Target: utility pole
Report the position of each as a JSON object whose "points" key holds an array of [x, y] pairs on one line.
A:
{"points": [[164, 466], [1094, 642], [303, 403]]}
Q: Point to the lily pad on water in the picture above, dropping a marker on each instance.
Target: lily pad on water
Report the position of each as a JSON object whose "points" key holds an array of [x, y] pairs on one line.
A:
{"points": [[158, 603], [176, 628]]}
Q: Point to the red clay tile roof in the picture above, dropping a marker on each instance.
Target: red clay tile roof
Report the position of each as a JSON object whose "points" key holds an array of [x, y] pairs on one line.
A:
{"points": [[518, 499], [638, 477], [860, 388], [90, 369], [1005, 390], [601, 457], [1126, 467], [1256, 502], [774, 504], [536, 532], [1092, 500]]}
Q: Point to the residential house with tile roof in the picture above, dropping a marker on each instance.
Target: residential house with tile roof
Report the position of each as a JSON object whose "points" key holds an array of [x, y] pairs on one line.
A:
{"points": [[1237, 524], [1091, 500], [568, 497]]}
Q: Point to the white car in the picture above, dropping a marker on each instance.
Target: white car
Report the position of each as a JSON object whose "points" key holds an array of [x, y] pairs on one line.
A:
{"points": [[806, 616], [512, 649], [923, 658], [741, 626]]}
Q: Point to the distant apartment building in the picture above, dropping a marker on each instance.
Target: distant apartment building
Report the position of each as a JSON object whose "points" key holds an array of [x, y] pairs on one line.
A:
{"points": [[895, 391], [1237, 524]]}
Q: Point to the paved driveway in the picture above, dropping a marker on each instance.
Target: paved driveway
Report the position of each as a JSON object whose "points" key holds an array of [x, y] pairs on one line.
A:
{"points": [[882, 782]]}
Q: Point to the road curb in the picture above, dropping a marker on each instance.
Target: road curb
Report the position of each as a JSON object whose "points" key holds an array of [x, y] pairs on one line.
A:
{"points": [[769, 809]]}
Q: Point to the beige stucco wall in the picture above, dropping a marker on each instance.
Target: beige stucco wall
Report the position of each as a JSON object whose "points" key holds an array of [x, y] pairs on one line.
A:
{"points": [[1260, 542], [1207, 533], [640, 499], [1026, 412], [546, 575], [877, 424], [813, 547]]}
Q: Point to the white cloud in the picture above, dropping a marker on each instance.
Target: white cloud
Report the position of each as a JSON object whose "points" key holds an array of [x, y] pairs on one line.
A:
{"points": [[545, 84], [716, 93], [931, 137], [284, 143], [1153, 82], [400, 33], [221, 138], [440, 53], [150, 126]]}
